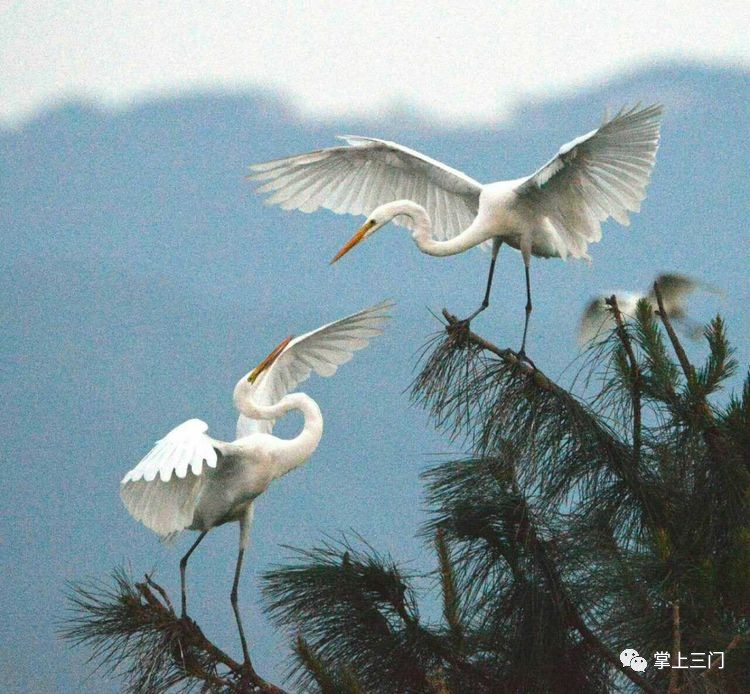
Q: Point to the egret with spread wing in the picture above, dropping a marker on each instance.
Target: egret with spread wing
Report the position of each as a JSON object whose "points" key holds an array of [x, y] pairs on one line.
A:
{"points": [[554, 213], [674, 289], [192, 481]]}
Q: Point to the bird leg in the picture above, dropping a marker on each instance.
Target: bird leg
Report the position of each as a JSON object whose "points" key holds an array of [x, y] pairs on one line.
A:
{"points": [[496, 243], [183, 566], [522, 351], [233, 599]]}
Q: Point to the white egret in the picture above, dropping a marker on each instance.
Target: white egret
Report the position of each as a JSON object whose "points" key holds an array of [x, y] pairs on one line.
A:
{"points": [[192, 481], [674, 288], [554, 213]]}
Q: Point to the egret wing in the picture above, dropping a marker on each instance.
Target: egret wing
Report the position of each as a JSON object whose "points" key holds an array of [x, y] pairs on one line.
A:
{"points": [[162, 490], [322, 350], [355, 179], [593, 320], [596, 176], [674, 289], [598, 318]]}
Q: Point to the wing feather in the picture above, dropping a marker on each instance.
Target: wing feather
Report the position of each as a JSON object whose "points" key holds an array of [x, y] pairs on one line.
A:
{"points": [[162, 489], [675, 289], [601, 174], [373, 172], [322, 351]]}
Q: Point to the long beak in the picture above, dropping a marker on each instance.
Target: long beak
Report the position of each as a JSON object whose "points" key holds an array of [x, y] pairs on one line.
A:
{"points": [[258, 370], [354, 240]]}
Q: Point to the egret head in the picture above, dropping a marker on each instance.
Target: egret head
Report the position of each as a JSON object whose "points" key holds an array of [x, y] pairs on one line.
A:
{"points": [[270, 359], [377, 219]]}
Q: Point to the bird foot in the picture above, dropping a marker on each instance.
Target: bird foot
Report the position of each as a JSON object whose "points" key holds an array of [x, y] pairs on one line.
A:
{"points": [[249, 678], [459, 330], [524, 361], [459, 325]]}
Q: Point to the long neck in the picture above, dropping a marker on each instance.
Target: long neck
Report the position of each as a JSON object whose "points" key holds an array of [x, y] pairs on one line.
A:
{"points": [[289, 453], [422, 233]]}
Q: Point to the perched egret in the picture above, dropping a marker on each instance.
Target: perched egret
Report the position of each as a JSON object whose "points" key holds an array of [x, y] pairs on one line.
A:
{"points": [[554, 213], [192, 481], [674, 288]]}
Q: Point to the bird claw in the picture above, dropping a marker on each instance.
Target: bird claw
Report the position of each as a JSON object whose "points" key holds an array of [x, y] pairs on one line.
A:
{"points": [[187, 619], [525, 363], [459, 328]]}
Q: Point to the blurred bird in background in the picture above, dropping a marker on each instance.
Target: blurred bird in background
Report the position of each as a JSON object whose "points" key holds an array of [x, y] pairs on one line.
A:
{"points": [[597, 318]]}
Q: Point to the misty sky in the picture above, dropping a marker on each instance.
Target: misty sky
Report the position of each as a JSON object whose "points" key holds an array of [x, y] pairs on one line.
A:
{"points": [[456, 61]]}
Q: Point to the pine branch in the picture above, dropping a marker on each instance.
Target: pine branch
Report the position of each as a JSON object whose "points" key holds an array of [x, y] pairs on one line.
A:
{"points": [[570, 610], [674, 675], [716, 442], [635, 377], [567, 450], [450, 594], [354, 608], [135, 634], [324, 679], [687, 367], [556, 538], [355, 611], [736, 640]]}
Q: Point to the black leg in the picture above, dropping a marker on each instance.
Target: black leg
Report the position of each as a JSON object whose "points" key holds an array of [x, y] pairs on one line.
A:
{"points": [[496, 243], [183, 566], [522, 351], [234, 605]]}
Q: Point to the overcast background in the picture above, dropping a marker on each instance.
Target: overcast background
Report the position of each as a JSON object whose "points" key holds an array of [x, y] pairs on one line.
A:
{"points": [[140, 277], [457, 61]]}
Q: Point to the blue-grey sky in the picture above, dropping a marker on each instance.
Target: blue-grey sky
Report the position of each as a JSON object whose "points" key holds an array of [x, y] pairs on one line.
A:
{"points": [[457, 61]]}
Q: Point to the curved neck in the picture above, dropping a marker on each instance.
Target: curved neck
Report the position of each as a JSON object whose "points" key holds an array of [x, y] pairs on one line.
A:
{"points": [[288, 453], [422, 233]]}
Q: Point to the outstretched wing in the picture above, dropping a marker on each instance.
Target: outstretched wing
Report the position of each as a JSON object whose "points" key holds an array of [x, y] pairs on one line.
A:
{"points": [[674, 289], [596, 176], [355, 179], [161, 491], [322, 350]]}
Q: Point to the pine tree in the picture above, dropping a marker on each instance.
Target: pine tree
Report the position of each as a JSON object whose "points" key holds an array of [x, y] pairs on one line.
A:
{"points": [[572, 530]]}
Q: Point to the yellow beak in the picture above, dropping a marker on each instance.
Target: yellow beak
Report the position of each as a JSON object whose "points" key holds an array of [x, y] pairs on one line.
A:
{"points": [[354, 240], [270, 359]]}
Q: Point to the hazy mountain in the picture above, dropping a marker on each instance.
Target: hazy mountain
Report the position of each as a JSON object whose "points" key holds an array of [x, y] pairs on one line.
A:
{"points": [[141, 277]]}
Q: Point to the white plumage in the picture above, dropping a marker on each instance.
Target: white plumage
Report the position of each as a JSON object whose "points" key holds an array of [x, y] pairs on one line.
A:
{"points": [[183, 448], [192, 481], [675, 289], [181, 457], [555, 212], [322, 350], [357, 178]]}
